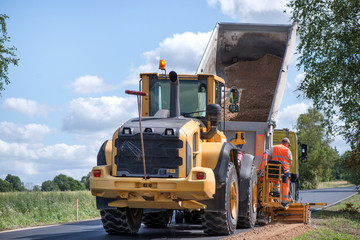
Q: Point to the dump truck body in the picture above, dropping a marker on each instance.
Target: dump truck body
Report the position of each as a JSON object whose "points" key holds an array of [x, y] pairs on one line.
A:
{"points": [[255, 59]]}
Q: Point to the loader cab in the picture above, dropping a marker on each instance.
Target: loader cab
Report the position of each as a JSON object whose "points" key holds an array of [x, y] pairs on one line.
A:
{"points": [[196, 92]]}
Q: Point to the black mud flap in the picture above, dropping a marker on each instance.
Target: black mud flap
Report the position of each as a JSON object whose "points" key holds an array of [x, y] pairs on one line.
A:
{"points": [[103, 203]]}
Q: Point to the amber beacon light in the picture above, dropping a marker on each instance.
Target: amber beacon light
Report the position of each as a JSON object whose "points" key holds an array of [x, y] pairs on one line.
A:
{"points": [[162, 64]]}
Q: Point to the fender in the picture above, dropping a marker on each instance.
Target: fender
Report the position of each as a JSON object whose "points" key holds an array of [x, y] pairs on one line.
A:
{"points": [[220, 176], [101, 158]]}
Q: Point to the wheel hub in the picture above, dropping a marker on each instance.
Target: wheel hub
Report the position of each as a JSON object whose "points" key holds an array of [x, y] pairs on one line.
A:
{"points": [[233, 201]]}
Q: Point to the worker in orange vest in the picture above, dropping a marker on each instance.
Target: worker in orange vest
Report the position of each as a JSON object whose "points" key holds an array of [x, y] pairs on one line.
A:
{"points": [[282, 154]]}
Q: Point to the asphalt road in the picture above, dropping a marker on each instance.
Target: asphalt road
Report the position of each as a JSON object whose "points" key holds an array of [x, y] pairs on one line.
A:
{"points": [[331, 196], [93, 229]]}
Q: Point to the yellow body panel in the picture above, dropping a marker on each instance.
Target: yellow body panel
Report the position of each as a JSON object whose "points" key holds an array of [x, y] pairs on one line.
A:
{"points": [[108, 152], [186, 134], [114, 151], [211, 90], [219, 137], [210, 154], [240, 139], [145, 100], [166, 193]]}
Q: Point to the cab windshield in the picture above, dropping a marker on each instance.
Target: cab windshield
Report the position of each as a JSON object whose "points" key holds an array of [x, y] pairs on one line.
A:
{"points": [[192, 97]]}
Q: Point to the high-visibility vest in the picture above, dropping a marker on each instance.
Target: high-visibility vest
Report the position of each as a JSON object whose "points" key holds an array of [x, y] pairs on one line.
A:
{"points": [[281, 153]]}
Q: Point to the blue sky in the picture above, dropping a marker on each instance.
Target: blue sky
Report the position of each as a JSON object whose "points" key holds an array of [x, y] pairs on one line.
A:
{"points": [[77, 58]]}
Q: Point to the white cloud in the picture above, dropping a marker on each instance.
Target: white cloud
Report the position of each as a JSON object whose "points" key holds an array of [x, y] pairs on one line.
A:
{"points": [[25, 106], [293, 83], [91, 120], [299, 78], [288, 116], [29, 168], [23, 133], [340, 144], [31, 151], [88, 115], [253, 10], [90, 84], [38, 162], [182, 53]]}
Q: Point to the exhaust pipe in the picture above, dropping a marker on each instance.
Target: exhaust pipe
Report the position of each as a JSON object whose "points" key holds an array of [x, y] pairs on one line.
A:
{"points": [[174, 95]]}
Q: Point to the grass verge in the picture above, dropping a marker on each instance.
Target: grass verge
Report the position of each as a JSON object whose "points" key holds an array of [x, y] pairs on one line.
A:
{"points": [[24, 209], [334, 184], [341, 221]]}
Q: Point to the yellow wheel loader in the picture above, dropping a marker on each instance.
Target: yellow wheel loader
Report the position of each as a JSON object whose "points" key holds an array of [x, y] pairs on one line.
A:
{"points": [[188, 163]]}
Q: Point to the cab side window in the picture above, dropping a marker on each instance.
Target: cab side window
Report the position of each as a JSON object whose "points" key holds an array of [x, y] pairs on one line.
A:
{"points": [[219, 87]]}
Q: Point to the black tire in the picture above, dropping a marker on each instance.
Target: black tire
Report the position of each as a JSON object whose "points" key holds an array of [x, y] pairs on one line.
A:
{"points": [[121, 220], [223, 222], [157, 219], [249, 220], [187, 216], [192, 217], [179, 216]]}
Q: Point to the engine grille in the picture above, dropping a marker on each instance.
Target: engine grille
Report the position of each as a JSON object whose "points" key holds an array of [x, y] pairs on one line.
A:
{"points": [[161, 154]]}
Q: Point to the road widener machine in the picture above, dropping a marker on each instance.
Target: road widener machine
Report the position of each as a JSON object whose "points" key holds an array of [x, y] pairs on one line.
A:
{"points": [[198, 141]]}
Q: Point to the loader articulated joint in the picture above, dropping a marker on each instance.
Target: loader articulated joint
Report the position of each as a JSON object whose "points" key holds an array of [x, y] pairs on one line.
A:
{"points": [[213, 115]]}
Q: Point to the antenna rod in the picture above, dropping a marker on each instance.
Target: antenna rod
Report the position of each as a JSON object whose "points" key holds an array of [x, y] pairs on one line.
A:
{"points": [[138, 95]]}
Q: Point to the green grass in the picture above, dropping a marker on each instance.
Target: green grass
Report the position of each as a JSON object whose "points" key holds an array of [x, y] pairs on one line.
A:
{"points": [[24, 209], [341, 221], [334, 184]]}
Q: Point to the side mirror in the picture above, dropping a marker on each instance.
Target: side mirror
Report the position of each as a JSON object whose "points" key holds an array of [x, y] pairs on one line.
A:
{"points": [[234, 100], [303, 156], [234, 95], [234, 108]]}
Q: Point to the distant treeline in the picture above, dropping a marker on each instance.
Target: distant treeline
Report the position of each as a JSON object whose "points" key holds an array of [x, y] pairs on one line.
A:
{"points": [[61, 182]]}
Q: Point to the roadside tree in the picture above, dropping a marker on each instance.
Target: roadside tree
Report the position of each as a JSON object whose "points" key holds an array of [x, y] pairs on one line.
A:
{"points": [[66, 183], [329, 51], [15, 182], [49, 186], [85, 180], [5, 186], [7, 54], [321, 157]]}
